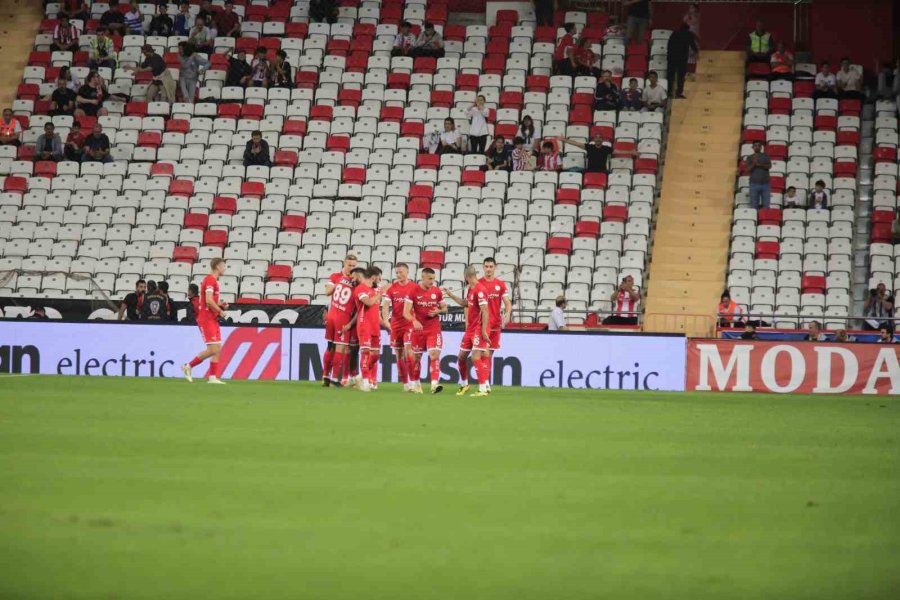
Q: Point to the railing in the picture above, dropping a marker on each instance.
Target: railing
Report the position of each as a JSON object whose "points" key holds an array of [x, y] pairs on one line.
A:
{"points": [[806, 317]]}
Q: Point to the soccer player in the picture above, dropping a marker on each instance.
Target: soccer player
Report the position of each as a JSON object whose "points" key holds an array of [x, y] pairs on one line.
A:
{"points": [[423, 305], [209, 311], [475, 341], [367, 295], [340, 289], [497, 295], [400, 327]]}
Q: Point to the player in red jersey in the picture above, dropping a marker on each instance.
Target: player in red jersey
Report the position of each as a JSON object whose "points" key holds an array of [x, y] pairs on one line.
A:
{"points": [[423, 305], [401, 329], [209, 311], [367, 295], [340, 289], [475, 341], [497, 295]]}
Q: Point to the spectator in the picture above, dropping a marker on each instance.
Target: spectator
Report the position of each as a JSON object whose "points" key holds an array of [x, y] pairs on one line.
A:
{"points": [[478, 128], [10, 129], [749, 332], [498, 155], [65, 35], [759, 44], [62, 100], [598, 153], [189, 73], [826, 83], [281, 74], [607, 95], [201, 36], [77, 9], [131, 305], [791, 199], [238, 70], [449, 142], [886, 335], [692, 18], [529, 132], [208, 12], [429, 42], [818, 198], [90, 97], [96, 146], [632, 97], [162, 86], [256, 154], [171, 313], [637, 20], [102, 51], [889, 82], [557, 321], [259, 69], [729, 312], [842, 337], [113, 20], [625, 300], [72, 81], [228, 22], [758, 165], [849, 81], [182, 24], [323, 10], [521, 156], [404, 41], [895, 229], [134, 20], [681, 44], [543, 12], [74, 142], [781, 63], [193, 303], [549, 159], [654, 96], [39, 313], [562, 62], [879, 308], [161, 24], [815, 332], [154, 306], [48, 145], [583, 60]]}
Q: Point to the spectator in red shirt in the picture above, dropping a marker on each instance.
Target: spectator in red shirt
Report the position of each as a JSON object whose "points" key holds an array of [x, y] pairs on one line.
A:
{"points": [[228, 23], [782, 63], [583, 59], [561, 61], [74, 142]]}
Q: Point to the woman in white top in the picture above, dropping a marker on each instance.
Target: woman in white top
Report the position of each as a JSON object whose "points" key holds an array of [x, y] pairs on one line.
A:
{"points": [[531, 133], [478, 128], [449, 142]]}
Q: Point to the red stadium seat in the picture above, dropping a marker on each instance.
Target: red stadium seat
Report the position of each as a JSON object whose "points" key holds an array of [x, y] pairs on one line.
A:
{"points": [[285, 158], [568, 196], [294, 223], [178, 126], [428, 161], [511, 100], [812, 284], [279, 273], [337, 143], [149, 139], [223, 205], [559, 245], [432, 259], [418, 208], [615, 213], [253, 189], [769, 216], [412, 129], [587, 229], [196, 221], [398, 81], [186, 254], [886, 154], [294, 127], [162, 170], [350, 97], [354, 175], [473, 178], [321, 112], [45, 168], [769, 250], [181, 187], [217, 238], [421, 191], [595, 180]]}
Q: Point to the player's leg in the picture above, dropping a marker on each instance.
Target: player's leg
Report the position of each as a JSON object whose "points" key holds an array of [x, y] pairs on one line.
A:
{"points": [[214, 363], [414, 353], [435, 343], [363, 383], [328, 359], [402, 365], [463, 362], [493, 346], [374, 355], [479, 357], [353, 357]]}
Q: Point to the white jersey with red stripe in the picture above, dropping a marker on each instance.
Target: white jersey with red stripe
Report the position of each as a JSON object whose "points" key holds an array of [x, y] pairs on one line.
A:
{"points": [[624, 305]]}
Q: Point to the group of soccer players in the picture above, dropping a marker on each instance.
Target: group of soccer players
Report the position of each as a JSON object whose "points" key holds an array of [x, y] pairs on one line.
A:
{"points": [[361, 305]]}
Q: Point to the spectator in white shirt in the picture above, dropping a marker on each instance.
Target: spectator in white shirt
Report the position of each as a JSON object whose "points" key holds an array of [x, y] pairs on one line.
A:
{"points": [[429, 42], [449, 142], [549, 159], [531, 133], [404, 41], [557, 320], [826, 83], [654, 97], [478, 127], [849, 81]]}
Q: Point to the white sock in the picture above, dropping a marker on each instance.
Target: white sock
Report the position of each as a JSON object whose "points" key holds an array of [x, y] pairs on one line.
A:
{"points": [[482, 387]]}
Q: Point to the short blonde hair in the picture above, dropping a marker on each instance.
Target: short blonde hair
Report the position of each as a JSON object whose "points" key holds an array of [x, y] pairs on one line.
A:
{"points": [[215, 262], [351, 257]]}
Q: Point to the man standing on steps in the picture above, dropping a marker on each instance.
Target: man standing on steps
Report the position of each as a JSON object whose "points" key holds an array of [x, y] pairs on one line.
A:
{"points": [[681, 43], [758, 165]]}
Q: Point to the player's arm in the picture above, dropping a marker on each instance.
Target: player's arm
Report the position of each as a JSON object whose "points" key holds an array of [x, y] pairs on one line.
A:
{"points": [[352, 323], [371, 300], [329, 288], [485, 320], [211, 303], [386, 313], [507, 309], [459, 300]]}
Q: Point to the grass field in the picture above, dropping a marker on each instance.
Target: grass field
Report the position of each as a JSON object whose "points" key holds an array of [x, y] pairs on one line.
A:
{"points": [[156, 489]]}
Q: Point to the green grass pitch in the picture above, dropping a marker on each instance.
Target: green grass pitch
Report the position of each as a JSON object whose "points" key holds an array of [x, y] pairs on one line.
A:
{"points": [[163, 490]]}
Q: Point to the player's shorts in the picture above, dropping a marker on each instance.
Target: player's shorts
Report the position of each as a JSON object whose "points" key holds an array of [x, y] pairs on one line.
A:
{"points": [[209, 329], [334, 332], [473, 341], [494, 339], [401, 337], [426, 340], [369, 341]]}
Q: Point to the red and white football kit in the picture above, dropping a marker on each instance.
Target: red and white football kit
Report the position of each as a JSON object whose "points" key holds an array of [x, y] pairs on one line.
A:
{"points": [[368, 323], [207, 320], [341, 310], [624, 306], [401, 327], [423, 302], [476, 297], [496, 291]]}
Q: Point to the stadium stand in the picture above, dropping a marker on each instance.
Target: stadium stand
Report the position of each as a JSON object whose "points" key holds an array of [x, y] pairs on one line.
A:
{"points": [[349, 173], [884, 252]]}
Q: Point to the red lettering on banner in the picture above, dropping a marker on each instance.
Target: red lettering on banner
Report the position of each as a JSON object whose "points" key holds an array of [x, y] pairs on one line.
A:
{"points": [[257, 342], [792, 367]]}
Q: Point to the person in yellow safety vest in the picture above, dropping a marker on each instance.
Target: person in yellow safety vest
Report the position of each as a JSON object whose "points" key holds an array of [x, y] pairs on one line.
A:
{"points": [[759, 44], [729, 312]]}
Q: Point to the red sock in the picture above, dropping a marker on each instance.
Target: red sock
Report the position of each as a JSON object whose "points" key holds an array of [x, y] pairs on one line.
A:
{"points": [[401, 368], [364, 363], [337, 363], [488, 365], [463, 371], [345, 361], [414, 365], [327, 361], [373, 367], [481, 370], [195, 361], [213, 369], [434, 365]]}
